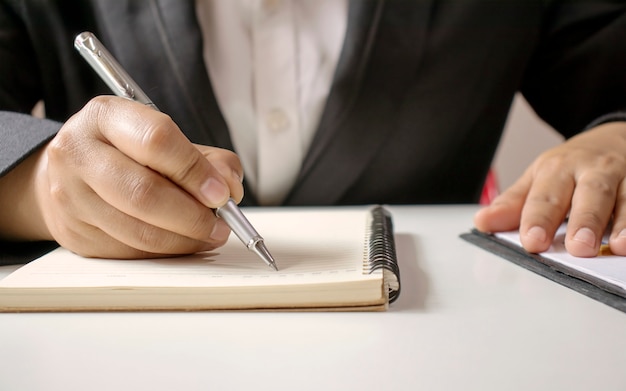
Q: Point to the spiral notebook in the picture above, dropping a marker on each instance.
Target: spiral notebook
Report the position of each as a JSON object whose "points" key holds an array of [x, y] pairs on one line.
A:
{"points": [[329, 259]]}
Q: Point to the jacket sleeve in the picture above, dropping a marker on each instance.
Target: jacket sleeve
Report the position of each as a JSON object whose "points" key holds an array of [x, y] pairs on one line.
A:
{"points": [[20, 133], [611, 117], [578, 75]]}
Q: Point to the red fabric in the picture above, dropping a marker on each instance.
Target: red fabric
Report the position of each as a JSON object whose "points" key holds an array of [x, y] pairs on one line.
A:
{"points": [[490, 189]]}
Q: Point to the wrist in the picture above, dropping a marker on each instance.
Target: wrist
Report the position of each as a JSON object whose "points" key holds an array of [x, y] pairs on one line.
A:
{"points": [[21, 217]]}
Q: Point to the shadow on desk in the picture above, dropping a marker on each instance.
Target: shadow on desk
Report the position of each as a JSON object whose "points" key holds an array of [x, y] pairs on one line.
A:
{"points": [[415, 283]]}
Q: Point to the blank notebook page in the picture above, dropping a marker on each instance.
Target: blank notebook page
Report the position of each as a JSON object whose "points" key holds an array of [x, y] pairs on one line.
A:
{"points": [[309, 247], [607, 267]]}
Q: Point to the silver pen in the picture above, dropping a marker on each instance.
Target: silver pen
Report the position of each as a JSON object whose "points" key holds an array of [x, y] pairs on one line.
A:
{"points": [[123, 85]]}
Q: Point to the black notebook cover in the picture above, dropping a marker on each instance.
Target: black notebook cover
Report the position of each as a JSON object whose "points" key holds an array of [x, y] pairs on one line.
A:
{"points": [[583, 283]]}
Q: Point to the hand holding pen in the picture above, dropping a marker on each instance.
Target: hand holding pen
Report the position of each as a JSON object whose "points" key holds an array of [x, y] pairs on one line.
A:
{"points": [[124, 86], [120, 180]]}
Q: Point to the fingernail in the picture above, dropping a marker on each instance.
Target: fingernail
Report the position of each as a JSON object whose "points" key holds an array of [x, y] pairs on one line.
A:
{"points": [[220, 231], [214, 191], [622, 234], [537, 233], [586, 236]]}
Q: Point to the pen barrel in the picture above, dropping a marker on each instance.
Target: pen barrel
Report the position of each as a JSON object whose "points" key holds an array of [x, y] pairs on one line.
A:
{"points": [[238, 223], [123, 85], [109, 70]]}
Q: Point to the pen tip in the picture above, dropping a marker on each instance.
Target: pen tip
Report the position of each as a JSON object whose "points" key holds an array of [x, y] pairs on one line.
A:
{"points": [[264, 254]]}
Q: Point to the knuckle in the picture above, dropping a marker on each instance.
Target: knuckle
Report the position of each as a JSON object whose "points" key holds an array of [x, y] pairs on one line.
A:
{"points": [[553, 162], [64, 146], [96, 108], [157, 241], [610, 160], [68, 144], [58, 193], [142, 195], [598, 186], [548, 199], [57, 147], [149, 239], [539, 219], [98, 102], [186, 171], [198, 228], [155, 134]]}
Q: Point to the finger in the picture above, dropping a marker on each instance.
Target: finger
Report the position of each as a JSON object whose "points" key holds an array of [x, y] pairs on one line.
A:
{"points": [[148, 240], [228, 165], [152, 139], [503, 214], [101, 245], [70, 229], [104, 231], [546, 206], [131, 188], [146, 196], [592, 206], [617, 240]]}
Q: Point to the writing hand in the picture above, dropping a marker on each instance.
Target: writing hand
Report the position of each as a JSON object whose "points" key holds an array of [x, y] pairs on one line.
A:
{"points": [[585, 178], [121, 180]]}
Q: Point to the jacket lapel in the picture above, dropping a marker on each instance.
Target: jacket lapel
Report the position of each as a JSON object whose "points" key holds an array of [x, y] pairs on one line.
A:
{"points": [[167, 35], [364, 17], [382, 49], [379, 36]]}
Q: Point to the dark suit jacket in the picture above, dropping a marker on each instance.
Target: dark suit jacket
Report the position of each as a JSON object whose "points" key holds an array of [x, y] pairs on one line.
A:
{"points": [[418, 102]]}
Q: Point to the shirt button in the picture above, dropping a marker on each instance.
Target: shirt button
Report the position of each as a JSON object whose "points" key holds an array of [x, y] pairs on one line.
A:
{"points": [[277, 120]]}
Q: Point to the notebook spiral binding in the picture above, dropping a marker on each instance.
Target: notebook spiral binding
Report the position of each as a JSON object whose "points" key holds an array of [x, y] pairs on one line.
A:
{"points": [[382, 250]]}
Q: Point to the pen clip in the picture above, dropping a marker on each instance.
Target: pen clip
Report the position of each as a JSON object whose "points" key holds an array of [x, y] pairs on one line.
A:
{"points": [[109, 69]]}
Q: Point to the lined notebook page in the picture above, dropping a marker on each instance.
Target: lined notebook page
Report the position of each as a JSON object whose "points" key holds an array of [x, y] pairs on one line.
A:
{"points": [[309, 247], [607, 267]]}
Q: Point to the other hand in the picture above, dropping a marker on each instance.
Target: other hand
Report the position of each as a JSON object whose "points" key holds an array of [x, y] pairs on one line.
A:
{"points": [[583, 178]]}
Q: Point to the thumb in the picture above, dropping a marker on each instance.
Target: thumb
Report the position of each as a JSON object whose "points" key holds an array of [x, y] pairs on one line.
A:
{"points": [[505, 212]]}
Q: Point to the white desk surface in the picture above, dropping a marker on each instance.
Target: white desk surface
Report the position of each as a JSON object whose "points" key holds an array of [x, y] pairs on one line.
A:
{"points": [[466, 320]]}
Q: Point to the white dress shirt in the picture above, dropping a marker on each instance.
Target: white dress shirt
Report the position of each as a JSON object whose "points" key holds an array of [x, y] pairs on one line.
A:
{"points": [[271, 65]]}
